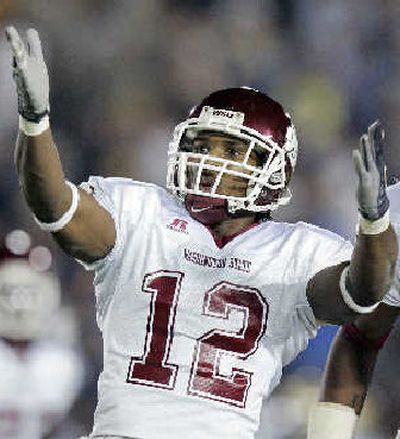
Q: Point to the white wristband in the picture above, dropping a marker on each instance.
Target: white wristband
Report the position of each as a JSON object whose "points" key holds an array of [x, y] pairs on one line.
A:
{"points": [[348, 300], [33, 128], [67, 216], [367, 227], [330, 420]]}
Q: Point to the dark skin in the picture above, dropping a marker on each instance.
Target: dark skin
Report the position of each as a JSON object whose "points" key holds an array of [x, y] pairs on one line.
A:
{"points": [[90, 235], [350, 366], [228, 148]]}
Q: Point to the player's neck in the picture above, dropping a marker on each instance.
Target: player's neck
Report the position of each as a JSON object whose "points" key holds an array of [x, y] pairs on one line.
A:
{"points": [[232, 226]]}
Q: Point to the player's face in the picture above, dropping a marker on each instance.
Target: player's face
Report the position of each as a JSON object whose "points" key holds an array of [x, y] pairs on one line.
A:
{"points": [[219, 145]]}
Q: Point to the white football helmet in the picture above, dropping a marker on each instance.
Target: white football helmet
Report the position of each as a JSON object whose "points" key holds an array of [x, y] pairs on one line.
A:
{"points": [[256, 119]]}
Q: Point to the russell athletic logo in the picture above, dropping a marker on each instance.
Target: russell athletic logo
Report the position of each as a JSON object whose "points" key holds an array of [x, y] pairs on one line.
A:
{"points": [[178, 225]]}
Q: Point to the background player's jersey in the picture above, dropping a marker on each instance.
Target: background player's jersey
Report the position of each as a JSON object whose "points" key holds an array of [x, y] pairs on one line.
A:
{"points": [[196, 335], [393, 296], [37, 388]]}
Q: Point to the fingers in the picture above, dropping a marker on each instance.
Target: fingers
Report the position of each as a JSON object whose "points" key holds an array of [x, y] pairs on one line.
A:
{"points": [[17, 46], [372, 132], [367, 153], [372, 147], [34, 44], [358, 163], [378, 136]]}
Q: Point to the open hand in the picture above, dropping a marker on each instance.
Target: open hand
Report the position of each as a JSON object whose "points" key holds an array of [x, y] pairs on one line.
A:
{"points": [[369, 163], [30, 74]]}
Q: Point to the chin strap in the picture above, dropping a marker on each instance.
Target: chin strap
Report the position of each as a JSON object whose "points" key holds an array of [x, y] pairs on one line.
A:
{"points": [[206, 210]]}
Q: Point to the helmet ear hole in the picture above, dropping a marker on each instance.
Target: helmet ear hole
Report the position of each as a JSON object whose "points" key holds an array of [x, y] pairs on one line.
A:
{"points": [[261, 157]]}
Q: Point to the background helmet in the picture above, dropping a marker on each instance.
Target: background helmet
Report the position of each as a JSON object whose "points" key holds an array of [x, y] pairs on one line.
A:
{"points": [[29, 293], [262, 124]]}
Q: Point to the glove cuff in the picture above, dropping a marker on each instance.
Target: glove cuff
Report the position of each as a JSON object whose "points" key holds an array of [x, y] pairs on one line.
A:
{"points": [[33, 128], [367, 227]]}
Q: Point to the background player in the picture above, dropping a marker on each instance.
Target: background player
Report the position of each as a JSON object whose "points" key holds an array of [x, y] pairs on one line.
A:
{"points": [[41, 373], [197, 325], [352, 359]]}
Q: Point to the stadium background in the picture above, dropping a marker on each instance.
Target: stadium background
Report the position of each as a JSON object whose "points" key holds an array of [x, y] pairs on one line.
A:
{"points": [[124, 72]]}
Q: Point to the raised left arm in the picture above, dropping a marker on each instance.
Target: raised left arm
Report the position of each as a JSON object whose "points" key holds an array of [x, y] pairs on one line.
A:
{"points": [[340, 293]]}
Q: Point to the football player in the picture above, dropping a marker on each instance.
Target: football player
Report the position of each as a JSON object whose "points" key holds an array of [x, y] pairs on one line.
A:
{"points": [[352, 359], [40, 376], [201, 298]]}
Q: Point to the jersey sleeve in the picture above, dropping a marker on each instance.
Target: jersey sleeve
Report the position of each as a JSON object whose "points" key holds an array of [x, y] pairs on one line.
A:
{"points": [[317, 249], [124, 199], [392, 298], [132, 205], [104, 193]]}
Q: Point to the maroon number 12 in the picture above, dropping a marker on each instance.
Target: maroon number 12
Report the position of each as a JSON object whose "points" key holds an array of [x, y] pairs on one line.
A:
{"points": [[153, 368]]}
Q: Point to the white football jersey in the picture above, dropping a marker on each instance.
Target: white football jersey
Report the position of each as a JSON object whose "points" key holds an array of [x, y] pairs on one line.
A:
{"points": [[393, 296], [37, 388], [196, 334]]}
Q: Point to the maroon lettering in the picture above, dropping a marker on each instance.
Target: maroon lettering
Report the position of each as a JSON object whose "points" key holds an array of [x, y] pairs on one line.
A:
{"points": [[207, 381], [153, 369]]}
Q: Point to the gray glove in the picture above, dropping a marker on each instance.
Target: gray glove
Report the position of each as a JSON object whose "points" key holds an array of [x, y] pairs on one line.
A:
{"points": [[30, 75], [369, 162]]}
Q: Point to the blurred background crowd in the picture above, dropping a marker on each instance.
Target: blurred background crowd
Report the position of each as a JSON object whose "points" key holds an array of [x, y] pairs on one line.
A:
{"points": [[124, 72]]}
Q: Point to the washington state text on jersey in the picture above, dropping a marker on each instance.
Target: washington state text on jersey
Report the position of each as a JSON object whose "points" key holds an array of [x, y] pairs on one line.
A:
{"points": [[212, 262]]}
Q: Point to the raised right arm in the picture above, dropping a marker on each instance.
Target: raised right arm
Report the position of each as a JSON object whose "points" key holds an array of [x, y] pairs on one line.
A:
{"points": [[90, 234]]}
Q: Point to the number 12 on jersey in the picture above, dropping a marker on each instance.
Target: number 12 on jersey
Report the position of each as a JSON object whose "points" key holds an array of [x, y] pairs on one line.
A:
{"points": [[206, 381]]}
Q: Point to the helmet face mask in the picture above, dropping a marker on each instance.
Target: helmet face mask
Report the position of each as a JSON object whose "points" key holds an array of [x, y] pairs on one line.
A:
{"points": [[217, 164], [189, 168]]}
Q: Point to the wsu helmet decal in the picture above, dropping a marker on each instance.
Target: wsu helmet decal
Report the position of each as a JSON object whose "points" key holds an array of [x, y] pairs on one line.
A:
{"points": [[254, 118]]}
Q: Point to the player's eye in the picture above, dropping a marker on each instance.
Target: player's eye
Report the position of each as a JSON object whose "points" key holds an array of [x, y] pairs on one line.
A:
{"points": [[233, 153], [201, 148], [204, 149]]}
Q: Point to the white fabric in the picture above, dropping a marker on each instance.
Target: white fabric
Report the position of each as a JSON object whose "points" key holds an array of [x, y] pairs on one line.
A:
{"points": [[58, 225], [105, 437], [33, 128], [155, 233], [37, 388], [328, 420], [392, 298], [375, 227], [398, 435], [348, 300]]}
